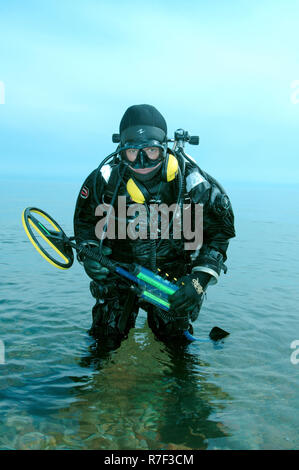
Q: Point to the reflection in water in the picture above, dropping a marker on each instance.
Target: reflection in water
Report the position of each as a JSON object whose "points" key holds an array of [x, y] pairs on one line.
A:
{"points": [[145, 395], [187, 409]]}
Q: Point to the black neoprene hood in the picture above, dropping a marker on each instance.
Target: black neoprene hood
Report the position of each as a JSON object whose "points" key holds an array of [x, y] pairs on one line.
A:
{"points": [[142, 123]]}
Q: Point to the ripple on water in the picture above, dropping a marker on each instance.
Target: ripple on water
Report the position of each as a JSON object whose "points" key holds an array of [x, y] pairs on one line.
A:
{"points": [[240, 394]]}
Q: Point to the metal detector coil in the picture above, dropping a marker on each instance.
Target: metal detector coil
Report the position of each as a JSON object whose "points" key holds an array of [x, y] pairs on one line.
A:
{"points": [[39, 229]]}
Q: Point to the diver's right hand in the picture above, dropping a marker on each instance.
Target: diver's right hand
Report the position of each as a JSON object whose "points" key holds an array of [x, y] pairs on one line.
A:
{"points": [[96, 270]]}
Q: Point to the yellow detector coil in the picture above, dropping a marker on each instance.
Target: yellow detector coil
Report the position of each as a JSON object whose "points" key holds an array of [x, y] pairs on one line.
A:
{"points": [[39, 227]]}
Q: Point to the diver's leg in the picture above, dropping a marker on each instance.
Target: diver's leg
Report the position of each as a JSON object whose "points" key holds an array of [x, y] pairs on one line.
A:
{"points": [[112, 318]]}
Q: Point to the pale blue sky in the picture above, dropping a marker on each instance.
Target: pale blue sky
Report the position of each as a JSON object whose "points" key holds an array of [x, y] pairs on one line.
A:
{"points": [[221, 69]]}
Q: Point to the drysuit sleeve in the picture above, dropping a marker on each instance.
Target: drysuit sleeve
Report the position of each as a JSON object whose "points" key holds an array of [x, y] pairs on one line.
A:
{"points": [[217, 224], [85, 219]]}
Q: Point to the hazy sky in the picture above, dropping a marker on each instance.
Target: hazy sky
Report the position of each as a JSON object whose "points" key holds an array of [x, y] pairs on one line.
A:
{"points": [[223, 69]]}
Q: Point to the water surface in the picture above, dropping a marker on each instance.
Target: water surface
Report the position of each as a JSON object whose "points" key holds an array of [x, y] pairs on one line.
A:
{"points": [[56, 393]]}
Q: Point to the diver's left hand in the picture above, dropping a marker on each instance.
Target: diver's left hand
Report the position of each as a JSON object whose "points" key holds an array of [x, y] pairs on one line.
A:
{"points": [[189, 295]]}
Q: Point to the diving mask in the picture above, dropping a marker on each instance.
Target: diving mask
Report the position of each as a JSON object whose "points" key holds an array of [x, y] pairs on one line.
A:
{"points": [[143, 159]]}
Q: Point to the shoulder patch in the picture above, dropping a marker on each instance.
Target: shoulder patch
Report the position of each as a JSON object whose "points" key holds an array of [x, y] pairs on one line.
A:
{"points": [[84, 192]]}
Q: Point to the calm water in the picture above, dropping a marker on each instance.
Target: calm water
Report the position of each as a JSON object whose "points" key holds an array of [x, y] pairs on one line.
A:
{"points": [[241, 394]]}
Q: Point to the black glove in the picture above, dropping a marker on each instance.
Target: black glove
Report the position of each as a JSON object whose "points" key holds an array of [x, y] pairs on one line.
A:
{"points": [[189, 295], [96, 270]]}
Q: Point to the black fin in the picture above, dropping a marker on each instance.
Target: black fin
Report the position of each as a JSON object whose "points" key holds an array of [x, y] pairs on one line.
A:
{"points": [[217, 333]]}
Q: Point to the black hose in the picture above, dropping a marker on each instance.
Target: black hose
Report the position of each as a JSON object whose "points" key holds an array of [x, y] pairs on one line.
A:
{"points": [[105, 228], [181, 185], [206, 175], [152, 246]]}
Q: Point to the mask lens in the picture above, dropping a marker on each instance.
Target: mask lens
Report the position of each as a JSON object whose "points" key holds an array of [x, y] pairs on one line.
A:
{"points": [[144, 156], [132, 154], [152, 153]]}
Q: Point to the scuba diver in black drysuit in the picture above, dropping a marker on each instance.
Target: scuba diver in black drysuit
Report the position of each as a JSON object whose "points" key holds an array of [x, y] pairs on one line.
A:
{"points": [[144, 170]]}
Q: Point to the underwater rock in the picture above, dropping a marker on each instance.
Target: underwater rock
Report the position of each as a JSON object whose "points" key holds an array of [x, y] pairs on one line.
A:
{"points": [[19, 422], [36, 441]]}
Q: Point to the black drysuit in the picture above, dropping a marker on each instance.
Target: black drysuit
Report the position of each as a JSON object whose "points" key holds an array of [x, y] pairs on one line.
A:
{"points": [[116, 307]]}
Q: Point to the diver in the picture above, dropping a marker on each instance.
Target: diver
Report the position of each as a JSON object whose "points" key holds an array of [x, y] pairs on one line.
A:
{"points": [[144, 170]]}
